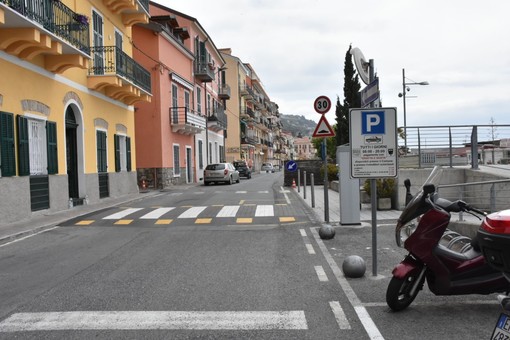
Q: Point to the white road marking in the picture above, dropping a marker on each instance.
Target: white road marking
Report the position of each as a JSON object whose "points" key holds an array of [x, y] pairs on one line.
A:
{"points": [[284, 192], [192, 212], [122, 214], [321, 274], [228, 211], [364, 317], [131, 320], [157, 213], [303, 232], [241, 192], [264, 210], [310, 249], [263, 192], [28, 236], [340, 317]]}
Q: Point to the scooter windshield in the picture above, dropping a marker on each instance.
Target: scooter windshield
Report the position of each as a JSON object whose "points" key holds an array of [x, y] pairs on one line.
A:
{"points": [[418, 205]]}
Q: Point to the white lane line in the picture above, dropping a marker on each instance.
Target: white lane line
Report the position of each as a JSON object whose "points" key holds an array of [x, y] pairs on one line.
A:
{"points": [[284, 192], [310, 249], [303, 232], [228, 211], [364, 317], [129, 320], [263, 192], [340, 317], [28, 236], [241, 192], [264, 210], [321, 274], [192, 212], [157, 213], [122, 214]]}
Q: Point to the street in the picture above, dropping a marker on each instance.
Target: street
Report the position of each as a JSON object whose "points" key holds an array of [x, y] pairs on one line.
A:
{"points": [[241, 261]]}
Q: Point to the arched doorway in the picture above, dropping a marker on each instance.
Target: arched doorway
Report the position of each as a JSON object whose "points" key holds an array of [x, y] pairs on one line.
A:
{"points": [[72, 155]]}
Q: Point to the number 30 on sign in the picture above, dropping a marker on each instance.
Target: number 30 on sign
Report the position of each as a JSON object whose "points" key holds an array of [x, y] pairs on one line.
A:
{"points": [[322, 104]]}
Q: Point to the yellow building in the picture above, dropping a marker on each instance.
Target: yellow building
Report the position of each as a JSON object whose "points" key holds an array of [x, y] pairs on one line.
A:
{"points": [[68, 96]]}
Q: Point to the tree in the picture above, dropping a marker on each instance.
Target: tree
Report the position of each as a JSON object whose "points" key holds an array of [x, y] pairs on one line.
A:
{"points": [[330, 147], [352, 100]]}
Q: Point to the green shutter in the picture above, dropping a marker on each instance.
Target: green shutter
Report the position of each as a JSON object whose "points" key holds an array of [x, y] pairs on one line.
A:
{"points": [[7, 149], [128, 153], [23, 147], [101, 152], [51, 140], [117, 152]]}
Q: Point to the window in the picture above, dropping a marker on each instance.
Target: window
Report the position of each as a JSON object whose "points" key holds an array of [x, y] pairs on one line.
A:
{"points": [[177, 168], [200, 154], [37, 147], [186, 100], [175, 104], [7, 150], [210, 152], [199, 100], [122, 153], [101, 151]]}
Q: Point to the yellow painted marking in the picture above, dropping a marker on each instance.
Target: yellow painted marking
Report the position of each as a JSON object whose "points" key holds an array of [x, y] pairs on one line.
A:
{"points": [[186, 206], [164, 221], [241, 202], [217, 205], [123, 222], [251, 204], [281, 204], [203, 220], [287, 219], [85, 222], [244, 220]]}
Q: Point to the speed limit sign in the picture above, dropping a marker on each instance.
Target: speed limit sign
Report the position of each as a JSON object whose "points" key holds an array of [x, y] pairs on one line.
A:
{"points": [[322, 104]]}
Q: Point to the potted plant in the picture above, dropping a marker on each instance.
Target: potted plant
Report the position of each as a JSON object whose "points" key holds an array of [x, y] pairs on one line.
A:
{"points": [[385, 191]]}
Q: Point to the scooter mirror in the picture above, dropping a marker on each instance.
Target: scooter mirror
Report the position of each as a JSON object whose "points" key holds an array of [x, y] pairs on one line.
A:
{"points": [[429, 188]]}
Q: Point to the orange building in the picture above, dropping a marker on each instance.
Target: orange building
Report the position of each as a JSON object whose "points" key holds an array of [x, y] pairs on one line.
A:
{"points": [[182, 129]]}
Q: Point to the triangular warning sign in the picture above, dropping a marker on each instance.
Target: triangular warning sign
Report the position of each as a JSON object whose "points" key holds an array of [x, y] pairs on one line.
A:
{"points": [[323, 129]]}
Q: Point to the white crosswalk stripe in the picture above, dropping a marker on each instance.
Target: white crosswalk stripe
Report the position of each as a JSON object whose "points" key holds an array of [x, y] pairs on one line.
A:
{"points": [[264, 210], [122, 214], [228, 211], [155, 214], [192, 212]]}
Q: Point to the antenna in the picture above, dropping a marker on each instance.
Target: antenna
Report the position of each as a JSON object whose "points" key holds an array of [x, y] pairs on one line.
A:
{"points": [[362, 65]]}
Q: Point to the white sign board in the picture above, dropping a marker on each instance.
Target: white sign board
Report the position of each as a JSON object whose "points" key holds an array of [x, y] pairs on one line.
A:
{"points": [[373, 142]]}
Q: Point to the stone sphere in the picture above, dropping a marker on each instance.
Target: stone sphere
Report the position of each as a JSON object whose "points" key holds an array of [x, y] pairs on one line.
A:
{"points": [[354, 266], [326, 232]]}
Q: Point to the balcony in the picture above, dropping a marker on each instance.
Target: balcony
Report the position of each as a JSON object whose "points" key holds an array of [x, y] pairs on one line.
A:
{"points": [[118, 76], [204, 71], [31, 28], [186, 122], [247, 92], [218, 120], [132, 11], [224, 91]]}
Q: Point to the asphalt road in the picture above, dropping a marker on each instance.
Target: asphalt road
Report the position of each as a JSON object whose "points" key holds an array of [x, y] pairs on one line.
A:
{"points": [[240, 261]]}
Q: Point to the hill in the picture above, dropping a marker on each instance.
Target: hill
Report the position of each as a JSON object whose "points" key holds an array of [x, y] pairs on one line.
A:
{"points": [[298, 125]]}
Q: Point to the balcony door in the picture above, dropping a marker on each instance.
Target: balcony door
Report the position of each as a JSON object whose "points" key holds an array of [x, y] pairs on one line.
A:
{"points": [[97, 33]]}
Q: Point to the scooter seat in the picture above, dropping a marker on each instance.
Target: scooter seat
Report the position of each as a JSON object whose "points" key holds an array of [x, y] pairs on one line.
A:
{"points": [[464, 256]]}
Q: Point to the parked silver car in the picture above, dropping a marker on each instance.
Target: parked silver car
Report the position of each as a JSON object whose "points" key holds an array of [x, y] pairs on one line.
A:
{"points": [[221, 172], [267, 167]]}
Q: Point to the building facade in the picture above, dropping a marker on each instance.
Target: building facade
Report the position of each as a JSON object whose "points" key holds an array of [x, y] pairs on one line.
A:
{"points": [[181, 131], [68, 87]]}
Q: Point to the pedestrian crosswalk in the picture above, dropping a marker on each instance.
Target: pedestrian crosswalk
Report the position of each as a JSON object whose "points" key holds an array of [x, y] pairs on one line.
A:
{"points": [[237, 214]]}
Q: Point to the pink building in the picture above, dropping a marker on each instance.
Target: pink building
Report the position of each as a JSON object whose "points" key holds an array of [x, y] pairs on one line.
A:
{"points": [[182, 129]]}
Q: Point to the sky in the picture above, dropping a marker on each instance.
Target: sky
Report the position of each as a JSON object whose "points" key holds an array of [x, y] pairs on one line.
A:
{"points": [[297, 48]]}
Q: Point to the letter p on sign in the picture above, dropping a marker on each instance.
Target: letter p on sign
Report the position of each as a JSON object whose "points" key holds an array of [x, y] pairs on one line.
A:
{"points": [[372, 122]]}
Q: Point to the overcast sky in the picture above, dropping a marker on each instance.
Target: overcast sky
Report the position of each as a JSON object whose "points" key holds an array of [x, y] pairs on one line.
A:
{"points": [[297, 47]]}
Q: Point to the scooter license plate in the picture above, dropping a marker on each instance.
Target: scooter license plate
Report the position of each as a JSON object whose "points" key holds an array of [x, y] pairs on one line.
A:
{"points": [[502, 329]]}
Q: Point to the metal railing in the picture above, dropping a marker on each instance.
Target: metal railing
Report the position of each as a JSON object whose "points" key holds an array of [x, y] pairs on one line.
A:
{"points": [[182, 115], [57, 18], [112, 60], [455, 145]]}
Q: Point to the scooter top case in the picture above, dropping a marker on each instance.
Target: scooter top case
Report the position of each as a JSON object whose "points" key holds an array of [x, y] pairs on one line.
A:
{"points": [[494, 240]]}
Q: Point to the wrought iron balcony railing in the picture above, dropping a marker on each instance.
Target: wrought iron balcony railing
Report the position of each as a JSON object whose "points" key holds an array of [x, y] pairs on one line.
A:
{"points": [[57, 18], [107, 60], [186, 121]]}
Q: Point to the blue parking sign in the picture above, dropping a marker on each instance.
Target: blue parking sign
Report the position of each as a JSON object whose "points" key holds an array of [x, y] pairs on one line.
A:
{"points": [[372, 122]]}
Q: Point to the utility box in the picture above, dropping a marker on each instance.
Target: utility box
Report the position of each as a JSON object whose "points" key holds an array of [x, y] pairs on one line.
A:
{"points": [[350, 207]]}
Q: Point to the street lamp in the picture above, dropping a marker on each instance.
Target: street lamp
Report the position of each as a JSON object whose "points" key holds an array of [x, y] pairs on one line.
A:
{"points": [[405, 88]]}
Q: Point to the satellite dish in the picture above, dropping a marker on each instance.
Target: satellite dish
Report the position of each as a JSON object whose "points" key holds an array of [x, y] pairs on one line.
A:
{"points": [[362, 65]]}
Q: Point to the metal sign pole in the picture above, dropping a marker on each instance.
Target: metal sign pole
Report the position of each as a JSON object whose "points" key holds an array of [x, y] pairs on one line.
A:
{"points": [[373, 198], [326, 184]]}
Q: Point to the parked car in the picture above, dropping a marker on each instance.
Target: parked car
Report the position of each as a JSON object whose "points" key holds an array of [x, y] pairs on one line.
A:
{"points": [[267, 167], [242, 167], [221, 172]]}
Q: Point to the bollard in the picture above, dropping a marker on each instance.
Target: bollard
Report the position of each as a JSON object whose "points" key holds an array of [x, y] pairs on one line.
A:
{"points": [[354, 266], [326, 232], [299, 180], [312, 190], [304, 185]]}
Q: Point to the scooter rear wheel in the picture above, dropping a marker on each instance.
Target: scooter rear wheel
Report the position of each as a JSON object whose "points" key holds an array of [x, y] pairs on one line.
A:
{"points": [[398, 294]]}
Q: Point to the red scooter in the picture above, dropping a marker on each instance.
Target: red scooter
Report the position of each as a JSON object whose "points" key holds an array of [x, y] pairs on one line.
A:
{"points": [[451, 265]]}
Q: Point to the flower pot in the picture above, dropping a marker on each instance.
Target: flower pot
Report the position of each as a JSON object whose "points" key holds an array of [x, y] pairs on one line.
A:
{"points": [[384, 203]]}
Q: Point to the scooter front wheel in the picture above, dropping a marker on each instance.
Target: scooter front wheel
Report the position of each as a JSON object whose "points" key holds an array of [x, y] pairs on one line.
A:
{"points": [[401, 292]]}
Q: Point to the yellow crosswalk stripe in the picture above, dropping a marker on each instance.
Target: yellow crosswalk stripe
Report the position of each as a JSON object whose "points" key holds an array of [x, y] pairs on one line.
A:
{"points": [[162, 221], [244, 220], [85, 222], [123, 222], [287, 219], [203, 220]]}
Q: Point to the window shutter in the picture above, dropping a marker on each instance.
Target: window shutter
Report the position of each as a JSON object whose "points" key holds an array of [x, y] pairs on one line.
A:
{"points": [[101, 152], [128, 153], [23, 147], [8, 160], [117, 152], [51, 138]]}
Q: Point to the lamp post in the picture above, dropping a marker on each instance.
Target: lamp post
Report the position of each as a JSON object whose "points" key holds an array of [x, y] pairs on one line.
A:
{"points": [[405, 88]]}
